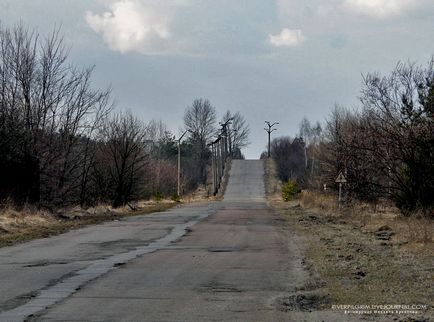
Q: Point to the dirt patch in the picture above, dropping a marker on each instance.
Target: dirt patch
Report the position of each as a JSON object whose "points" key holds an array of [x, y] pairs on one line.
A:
{"points": [[304, 302]]}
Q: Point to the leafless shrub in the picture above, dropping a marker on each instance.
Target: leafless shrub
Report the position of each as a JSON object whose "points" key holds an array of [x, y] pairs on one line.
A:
{"points": [[290, 158], [122, 158], [48, 115], [385, 150]]}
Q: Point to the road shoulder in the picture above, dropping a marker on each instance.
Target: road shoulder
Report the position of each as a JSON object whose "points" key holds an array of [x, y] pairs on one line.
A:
{"points": [[349, 266]]}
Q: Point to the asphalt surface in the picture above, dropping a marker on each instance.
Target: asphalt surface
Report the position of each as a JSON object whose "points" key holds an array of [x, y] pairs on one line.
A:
{"points": [[216, 261]]}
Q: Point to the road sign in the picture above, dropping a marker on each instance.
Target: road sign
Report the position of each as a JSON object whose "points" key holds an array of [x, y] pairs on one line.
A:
{"points": [[341, 178]]}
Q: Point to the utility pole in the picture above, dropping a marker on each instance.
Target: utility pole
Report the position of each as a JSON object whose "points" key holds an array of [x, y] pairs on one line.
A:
{"points": [[269, 130], [225, 135], [231, 141], [214, 169], [219, 150], [216, 163], [179, 162]]}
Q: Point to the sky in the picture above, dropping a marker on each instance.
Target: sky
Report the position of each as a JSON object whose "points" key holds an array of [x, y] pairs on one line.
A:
{"points": [[275, 60]]}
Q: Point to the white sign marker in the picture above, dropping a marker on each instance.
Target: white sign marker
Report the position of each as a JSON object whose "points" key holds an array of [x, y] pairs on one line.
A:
{"points": [[340, 179]]}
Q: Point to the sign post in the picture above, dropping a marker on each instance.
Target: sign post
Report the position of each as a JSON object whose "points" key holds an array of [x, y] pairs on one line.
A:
{"points": [[340, 179]]}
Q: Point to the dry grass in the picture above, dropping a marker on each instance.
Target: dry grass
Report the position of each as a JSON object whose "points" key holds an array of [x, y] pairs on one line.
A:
{"points": [[410, 231], [12, 219], [326, 203], [364, 254], [200, 194], [358, 267], [224, 183], [30, 223], [273, 186]]}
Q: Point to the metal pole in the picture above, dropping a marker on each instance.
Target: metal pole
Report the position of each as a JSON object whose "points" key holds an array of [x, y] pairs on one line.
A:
{"points": [[222, 144], [221, 160], [179, 168], [269, 134], [179, 164], [226, 146], [230, 142], [213, 168], [221, 168], [224, 134], [217, 157], [340, 194], [269, 130]]}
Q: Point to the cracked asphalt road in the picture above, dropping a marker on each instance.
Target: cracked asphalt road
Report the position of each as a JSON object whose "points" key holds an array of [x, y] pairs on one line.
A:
{"points": [[227, 260]]}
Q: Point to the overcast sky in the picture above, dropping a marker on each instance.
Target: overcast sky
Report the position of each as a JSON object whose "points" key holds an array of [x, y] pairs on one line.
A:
{"points": [[276, 60]]}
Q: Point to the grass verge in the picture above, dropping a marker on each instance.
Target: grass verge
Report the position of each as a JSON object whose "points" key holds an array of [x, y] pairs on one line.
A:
{"points": [[21, 226], [364, 256]]}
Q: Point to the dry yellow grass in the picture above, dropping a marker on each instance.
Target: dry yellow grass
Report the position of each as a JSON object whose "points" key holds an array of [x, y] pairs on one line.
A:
{"points": [[346, 248], [411, 231], [11, 219], [30, 223], [273, 186]]}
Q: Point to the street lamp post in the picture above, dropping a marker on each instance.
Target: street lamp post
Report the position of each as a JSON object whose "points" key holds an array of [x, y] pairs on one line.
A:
{"points": [[215, 147], [179, 162], [224, 134], [231, 140], [269, 130]]}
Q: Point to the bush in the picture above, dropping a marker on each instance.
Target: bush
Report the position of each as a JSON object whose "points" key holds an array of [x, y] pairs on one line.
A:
{"points": [[176, 197], [289, 190], [158, 196]]}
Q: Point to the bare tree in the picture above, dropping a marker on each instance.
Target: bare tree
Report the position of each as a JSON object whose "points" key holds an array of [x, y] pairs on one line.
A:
{"points": [[54, 107], [200, 119], [289, 156], [311, 135], [162, 167], [386, 148], [398, 110], [340, 152], [238, 133], [122, 157]]}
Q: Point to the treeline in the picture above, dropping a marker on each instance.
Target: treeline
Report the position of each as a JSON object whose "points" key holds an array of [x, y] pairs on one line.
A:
{"points": [[385, 148], [61, 143]]}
